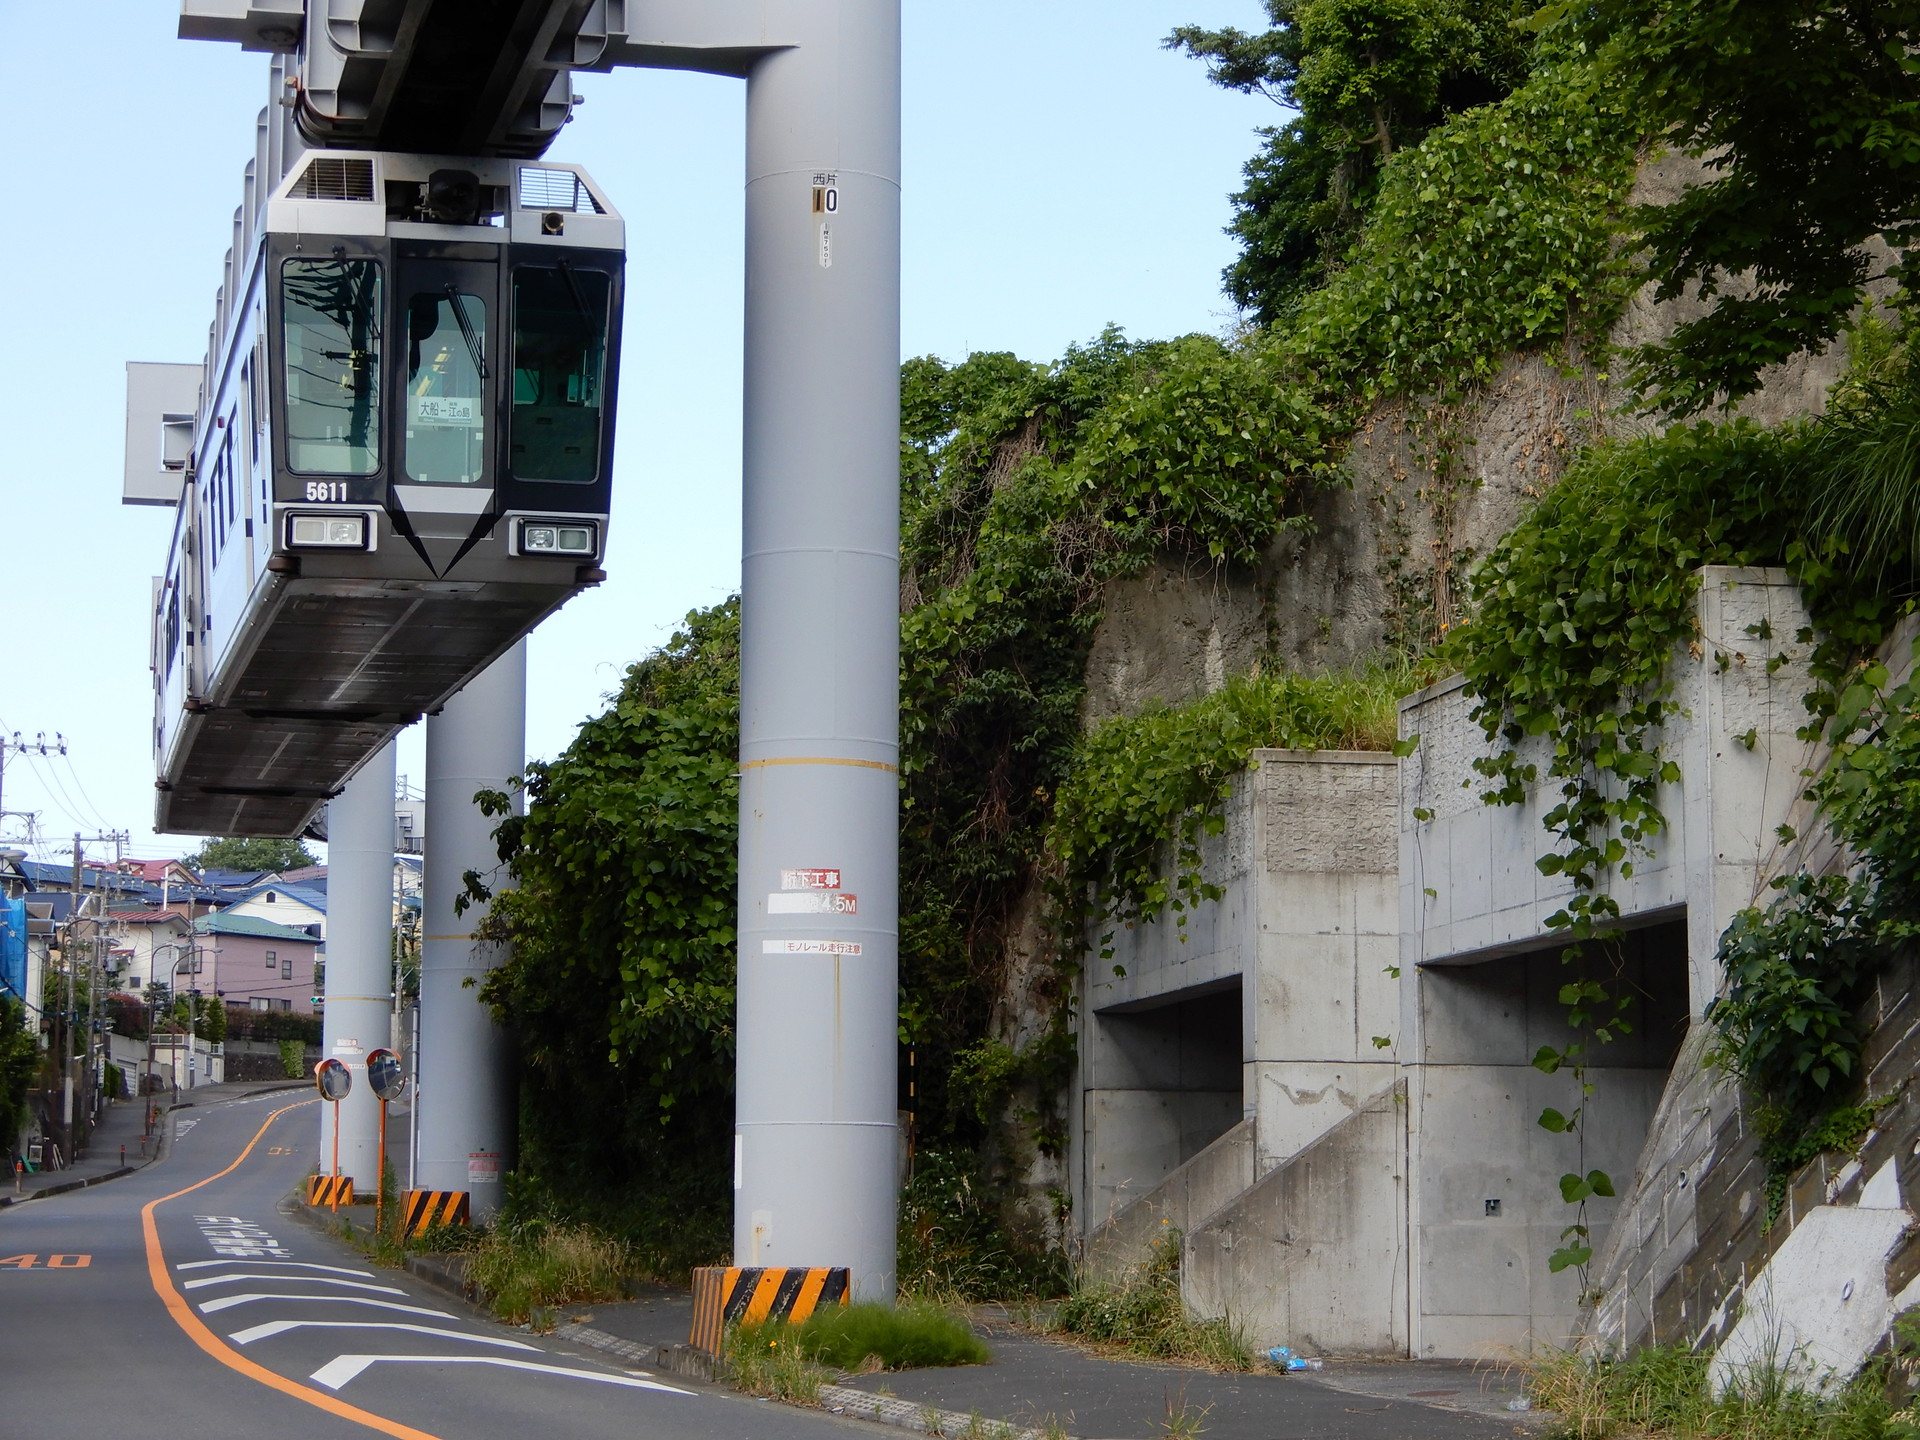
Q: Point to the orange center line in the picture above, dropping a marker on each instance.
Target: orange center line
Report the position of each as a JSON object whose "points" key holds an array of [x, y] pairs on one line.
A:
{"points": [[197, 1330]]}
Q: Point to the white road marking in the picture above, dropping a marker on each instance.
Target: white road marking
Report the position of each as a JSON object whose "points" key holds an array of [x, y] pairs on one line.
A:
{"points": [[180, 1127], [343, 1368], [227, 1302], [207, 1280], [298, 1264], [280, 1327]]}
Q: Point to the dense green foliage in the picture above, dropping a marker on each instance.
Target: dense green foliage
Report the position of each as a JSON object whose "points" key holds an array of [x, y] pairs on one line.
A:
{"points": [[845, 1337], [1801, 969], [251, 852], [1811, 112], [1163, 775], [1367, 78], [19, 1063], [1495, 235], [1579, 611], [621, 979]]}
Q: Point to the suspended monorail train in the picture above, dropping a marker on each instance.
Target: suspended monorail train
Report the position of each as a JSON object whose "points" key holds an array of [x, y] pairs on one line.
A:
{"points": [[399, 465]]}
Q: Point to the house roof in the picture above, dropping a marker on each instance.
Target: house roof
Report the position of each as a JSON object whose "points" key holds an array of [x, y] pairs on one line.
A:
{"points": [[304, 894], [229, 924], [39, 874], [145, 917]]}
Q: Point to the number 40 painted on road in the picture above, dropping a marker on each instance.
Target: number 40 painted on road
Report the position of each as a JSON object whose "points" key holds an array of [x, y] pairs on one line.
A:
{"points": [[54, 1262]]}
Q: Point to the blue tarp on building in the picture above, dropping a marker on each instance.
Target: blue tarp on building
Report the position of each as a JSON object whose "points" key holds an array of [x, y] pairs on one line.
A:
{"points": [[13, 948]]}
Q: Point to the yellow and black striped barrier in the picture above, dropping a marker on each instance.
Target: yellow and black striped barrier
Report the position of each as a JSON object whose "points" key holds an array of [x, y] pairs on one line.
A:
{"points": [[421, 1210], [330, 1190], [747, 1295]]}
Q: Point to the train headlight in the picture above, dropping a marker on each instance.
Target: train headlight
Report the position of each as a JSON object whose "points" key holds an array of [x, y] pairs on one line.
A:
{"points": [[562, 539], [327, 532]]}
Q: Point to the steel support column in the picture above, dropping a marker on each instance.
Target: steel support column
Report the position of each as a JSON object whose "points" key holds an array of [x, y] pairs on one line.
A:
{"points": [[465, 1066], [816, 1164], [359, 958]]}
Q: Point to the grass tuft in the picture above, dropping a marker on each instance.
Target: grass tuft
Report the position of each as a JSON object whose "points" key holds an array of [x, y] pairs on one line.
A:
{"points": [[875, 1337], [766, 1360], [1145, 1315], [1664, 1393], [523, 1273]]}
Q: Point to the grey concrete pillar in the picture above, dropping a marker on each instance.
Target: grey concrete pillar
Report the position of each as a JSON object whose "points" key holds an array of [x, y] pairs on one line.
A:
{"points": [[465, 1068], [816, 1144], [359, 982]]}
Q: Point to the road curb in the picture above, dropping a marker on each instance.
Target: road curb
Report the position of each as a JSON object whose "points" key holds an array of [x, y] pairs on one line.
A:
{"points": [[694, 1364]]}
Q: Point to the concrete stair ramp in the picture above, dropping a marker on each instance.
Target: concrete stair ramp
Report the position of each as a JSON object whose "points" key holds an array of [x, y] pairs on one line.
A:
{"points": [[1313, 1254], [1195, 1190]]}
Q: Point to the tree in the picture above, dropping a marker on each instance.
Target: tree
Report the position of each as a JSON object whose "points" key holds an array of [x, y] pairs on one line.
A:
{"points": [[1809, 115], [248, 852], [1368, 78], [19, 1061]]}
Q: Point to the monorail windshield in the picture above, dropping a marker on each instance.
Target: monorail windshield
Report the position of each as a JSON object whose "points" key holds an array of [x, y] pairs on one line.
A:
{"points": [[332, 322], [446, 387], [559, 371]]}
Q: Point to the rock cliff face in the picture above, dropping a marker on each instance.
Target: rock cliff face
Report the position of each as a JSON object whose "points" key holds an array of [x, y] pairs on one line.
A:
{"points": [[1426, 489]]}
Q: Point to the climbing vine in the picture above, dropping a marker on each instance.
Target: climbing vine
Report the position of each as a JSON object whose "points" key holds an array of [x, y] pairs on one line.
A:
{"points": [[1146, 789]]}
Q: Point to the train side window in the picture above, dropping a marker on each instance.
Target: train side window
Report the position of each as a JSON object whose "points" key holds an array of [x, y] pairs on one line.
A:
{"points": [[446, 387], [331, 316], [559, 372]]}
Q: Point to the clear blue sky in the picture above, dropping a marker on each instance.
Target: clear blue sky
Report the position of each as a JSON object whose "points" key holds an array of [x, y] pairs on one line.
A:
{"points": [[1061, 170]]}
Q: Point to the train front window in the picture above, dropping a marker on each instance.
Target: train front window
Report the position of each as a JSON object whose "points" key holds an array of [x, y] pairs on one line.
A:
{"points": [[331, 314], [559, 371], [446, 387]]}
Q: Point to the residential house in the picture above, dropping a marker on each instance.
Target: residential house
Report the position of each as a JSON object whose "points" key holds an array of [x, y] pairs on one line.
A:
{"points": [[259, 963], [302, 906], [145, 946]]}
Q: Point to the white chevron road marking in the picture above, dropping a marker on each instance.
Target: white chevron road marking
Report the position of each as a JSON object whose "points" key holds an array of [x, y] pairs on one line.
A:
{"points": [[285, 1264], [280, 1327], [227, 1302], [205, 1281], [343, 1368]]}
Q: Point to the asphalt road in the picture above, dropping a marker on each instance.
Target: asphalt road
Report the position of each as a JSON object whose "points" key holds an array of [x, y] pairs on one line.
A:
{"points": [[183, 1300]]}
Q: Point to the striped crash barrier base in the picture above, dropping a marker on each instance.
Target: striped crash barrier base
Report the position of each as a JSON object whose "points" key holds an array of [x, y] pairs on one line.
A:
{"points": [[423, 1209], [330, 1190], [746, 1295]]}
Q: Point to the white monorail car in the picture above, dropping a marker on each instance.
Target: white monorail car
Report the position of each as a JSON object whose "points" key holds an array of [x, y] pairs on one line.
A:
{"points": [[400, 465]]}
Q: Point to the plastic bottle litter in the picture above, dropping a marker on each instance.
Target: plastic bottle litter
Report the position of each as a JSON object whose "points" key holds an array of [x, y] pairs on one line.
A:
{"points": [[1285, 1358]]}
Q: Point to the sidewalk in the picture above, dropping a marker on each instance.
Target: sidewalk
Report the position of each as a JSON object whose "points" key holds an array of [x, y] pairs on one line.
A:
{"points": [[1034, 1380]]}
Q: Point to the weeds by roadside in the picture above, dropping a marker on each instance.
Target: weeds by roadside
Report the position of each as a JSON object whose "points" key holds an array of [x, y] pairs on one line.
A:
{"points": [[1664, 1393], [1144, 1314], [763, 1360], [523, 1274], [869, 1338]]}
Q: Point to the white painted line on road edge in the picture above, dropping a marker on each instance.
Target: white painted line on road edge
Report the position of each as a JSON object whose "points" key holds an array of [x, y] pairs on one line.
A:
{"points": [[207, 1280], [227, 1302], [280, 1327], [299, 1264], [343, 1368]]}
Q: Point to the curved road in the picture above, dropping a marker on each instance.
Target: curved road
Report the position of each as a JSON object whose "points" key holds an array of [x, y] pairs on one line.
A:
{"points": [[182, 1300]]}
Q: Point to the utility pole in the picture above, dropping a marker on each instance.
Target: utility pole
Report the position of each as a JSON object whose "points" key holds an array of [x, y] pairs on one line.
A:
{"points": [[14, 745], [71, 1064]]}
